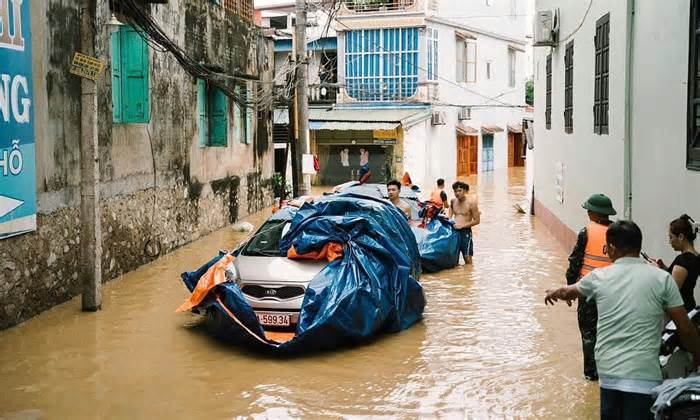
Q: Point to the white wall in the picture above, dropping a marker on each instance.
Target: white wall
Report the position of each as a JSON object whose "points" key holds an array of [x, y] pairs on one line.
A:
{"points": [[662, 187], [496, 17], [592, 163]]}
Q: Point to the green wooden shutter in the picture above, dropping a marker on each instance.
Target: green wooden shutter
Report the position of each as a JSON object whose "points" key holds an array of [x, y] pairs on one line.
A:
{"points": [[116, 78], [202, 106], [238, 121], [218, 117], [249, 114], [135, 77]]}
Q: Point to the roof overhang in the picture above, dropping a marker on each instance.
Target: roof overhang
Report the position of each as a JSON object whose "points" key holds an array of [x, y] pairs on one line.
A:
{"points": [[490, 129], [466, 130]]}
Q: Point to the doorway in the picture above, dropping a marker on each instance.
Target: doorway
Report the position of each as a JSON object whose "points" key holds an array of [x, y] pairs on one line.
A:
{"points": [[467, 155], [487, 152], [516, 149]]}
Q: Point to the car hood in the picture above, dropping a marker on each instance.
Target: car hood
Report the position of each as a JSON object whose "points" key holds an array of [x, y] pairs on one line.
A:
{"points": [[276, 269]]}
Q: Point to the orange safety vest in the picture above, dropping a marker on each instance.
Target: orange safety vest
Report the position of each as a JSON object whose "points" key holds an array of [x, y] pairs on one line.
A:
{"points": [[595, 255], [435, 197]]}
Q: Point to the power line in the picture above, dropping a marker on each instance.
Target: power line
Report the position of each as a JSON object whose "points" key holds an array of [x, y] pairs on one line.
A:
{"points": [[439, 77]]}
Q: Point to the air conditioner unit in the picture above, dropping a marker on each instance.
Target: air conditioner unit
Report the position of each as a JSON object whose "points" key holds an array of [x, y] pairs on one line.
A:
{"points": [[546, 28], [438, 118], [465, 113]]}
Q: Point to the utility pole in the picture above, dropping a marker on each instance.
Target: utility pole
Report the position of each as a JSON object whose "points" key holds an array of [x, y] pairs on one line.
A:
{"points": [[293, 141], [302, 95], [90, 227]]}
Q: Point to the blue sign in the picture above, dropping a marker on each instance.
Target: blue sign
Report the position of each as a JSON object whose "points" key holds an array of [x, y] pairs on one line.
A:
{"points": [[17, 162]]}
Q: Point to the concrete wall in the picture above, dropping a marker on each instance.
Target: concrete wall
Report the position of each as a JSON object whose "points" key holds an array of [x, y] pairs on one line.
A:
{"points": [[157, 183], [592, 163], [662, 187]]}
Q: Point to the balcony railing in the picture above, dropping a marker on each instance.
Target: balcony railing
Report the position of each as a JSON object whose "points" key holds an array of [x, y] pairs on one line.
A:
{"points": [[323, 93], [378, 5]]}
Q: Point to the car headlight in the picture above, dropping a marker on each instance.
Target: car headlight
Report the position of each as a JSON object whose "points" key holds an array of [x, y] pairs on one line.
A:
{"points": [[231, 274]]}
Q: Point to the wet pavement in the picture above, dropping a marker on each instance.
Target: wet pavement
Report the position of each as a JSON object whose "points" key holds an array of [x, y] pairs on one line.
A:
{"points": [[487, 346]]}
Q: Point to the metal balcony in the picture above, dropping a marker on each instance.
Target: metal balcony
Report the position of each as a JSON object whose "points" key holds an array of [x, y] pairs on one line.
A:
{"points": [[364, 6]]}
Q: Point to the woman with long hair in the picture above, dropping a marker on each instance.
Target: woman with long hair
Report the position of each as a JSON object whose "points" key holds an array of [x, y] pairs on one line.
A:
{"points": [[685, 268]]}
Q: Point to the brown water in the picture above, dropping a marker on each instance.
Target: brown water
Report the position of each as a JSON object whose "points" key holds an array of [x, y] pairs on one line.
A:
{"points": [[487, 347]]}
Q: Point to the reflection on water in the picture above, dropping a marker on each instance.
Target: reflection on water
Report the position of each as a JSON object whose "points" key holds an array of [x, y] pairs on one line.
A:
{"points": [[487, 346]]}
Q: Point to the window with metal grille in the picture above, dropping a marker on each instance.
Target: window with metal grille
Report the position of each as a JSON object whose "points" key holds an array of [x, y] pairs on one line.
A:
{"points": [[602, 59], [381, 64], [432, 54], [569, 88], [242, 8], [548, 95], [693, 148]]}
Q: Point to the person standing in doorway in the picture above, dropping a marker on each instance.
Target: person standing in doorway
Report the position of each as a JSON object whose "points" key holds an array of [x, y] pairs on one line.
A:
{"points": [[685, 268], [438, 197], [588, 254], [632, 298], [393, 189], [465, 212]]}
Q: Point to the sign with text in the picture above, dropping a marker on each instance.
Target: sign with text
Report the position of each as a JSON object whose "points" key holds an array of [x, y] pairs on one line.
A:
{"points": [[386, 134], [86, 66], [17, 166]]}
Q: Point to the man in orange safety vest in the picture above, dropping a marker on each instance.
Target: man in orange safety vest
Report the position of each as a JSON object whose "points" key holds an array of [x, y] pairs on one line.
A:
{"points": [[590, 253]]}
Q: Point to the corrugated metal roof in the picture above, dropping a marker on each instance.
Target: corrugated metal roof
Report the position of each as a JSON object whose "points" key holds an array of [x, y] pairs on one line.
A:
{"points": [[402, 116], [351, 125]]}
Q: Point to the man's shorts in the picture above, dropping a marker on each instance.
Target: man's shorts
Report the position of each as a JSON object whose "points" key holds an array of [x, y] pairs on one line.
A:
{"points": [[466, 245]]}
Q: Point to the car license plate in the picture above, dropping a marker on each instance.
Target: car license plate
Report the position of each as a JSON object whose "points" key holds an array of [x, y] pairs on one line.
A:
{"points": [[273, 319]]}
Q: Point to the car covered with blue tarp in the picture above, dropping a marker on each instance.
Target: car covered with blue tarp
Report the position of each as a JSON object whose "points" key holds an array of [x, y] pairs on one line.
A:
{"points": [[369, 286]]}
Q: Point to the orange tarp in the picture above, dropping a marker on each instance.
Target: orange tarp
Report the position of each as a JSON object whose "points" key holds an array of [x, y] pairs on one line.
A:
{"points": [[330, 251], [212, 278]]}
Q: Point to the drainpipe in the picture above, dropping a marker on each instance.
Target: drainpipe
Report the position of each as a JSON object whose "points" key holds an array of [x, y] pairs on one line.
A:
{"points": [[629, 114]]}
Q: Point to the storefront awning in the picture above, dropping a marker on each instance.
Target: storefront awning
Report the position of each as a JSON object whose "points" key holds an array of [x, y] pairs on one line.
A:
{"points": [[515, 128], [490, 129], [359, 119], [466, 130], [348, 125]]}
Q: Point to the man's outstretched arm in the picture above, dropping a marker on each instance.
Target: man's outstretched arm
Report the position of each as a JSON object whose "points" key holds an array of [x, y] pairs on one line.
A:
{"points": [[566, 293]]}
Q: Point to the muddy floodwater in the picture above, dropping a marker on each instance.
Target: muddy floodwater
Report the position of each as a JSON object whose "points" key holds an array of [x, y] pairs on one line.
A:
{"points": [[487, 347]]}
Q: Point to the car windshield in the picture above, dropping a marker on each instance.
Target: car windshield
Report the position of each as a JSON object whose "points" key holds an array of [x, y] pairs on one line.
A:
{"points": [[266, 241]]}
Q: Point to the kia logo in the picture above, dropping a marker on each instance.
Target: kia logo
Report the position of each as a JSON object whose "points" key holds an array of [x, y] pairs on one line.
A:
{"points": [[271, 292]]}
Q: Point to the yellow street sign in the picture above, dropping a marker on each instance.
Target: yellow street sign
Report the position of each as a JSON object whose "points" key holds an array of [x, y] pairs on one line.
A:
{"points": [[86, 66]]}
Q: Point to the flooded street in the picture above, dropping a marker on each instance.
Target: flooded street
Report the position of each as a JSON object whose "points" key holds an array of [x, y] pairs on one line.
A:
{"points": [[487, 346]]}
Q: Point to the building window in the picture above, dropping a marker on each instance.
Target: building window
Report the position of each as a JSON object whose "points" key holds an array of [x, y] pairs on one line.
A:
{"points": [[242, 8], [130, 95], [432, 54], [548, 95], [602, 54], [569, 88], [244, 113], [381, 64], [511, 67], [489, 2], [213, 115], [693, 150], [466, 58], [488, 70]]}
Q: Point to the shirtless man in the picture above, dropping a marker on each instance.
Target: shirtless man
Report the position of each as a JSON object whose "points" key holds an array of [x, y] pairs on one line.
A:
{"points": [[465, 212], [393, 188]]}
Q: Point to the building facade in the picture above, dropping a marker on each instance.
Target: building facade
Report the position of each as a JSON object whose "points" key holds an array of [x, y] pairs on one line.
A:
{"points": [[178, 156], [460, 69], [616, 114]]}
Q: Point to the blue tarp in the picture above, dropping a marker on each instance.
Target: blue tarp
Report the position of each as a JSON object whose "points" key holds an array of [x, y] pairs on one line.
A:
{"points": [[372, 289], [438, 245]]}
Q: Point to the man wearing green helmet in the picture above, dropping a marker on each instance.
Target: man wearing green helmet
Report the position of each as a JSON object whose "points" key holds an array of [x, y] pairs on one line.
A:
{"points": [[588, 254]]}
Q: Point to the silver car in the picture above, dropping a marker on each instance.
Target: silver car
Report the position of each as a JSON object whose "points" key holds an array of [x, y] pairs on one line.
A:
{"points": [[271, 283]]}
